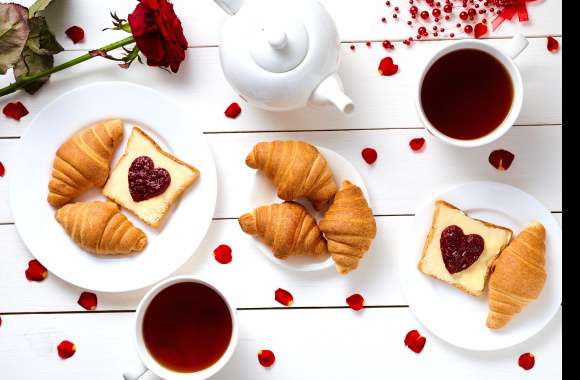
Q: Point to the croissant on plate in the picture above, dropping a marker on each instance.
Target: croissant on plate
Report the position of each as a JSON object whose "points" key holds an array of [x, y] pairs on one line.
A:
{"points": [[100, 228], [519, 276], [82, 161], [349, 227], [296, 168], [287, 228]]}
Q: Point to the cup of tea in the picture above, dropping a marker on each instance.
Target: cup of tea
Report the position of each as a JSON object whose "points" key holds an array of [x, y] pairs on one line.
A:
{"points": [[185, 329], [470, 93]]}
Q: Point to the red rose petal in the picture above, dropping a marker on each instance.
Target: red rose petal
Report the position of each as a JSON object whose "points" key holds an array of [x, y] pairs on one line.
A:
{"points": [[35, 271], [223, 254], [233, 110], [66, 349], [75, 33], [501, 159], [415, 341], [266, 358], [527, 361], [387, 67], [284, 297], [480, 30], [15, 111], [417, 143], [2, 169], [369, 155], [553, 44], [88, 300], [355, 302]]}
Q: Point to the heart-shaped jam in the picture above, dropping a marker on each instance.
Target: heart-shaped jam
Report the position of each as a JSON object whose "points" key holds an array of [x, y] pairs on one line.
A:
{"points": [[460, 251], [145, 180]]}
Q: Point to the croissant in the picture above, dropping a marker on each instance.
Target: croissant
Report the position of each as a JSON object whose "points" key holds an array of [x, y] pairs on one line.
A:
{"points": [[287, 228], [349, 226], [519, 276], [82, 161], [296, 168], [100, 228]]}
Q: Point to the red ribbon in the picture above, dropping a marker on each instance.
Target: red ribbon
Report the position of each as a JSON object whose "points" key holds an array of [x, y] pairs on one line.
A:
{"points": [[510, 8]]}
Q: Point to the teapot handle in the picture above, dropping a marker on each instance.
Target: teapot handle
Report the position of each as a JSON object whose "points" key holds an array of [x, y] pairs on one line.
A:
{"points": [[231, 7]]}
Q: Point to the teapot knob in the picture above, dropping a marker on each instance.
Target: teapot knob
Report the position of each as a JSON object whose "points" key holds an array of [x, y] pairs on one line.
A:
{"points": [[276, 38]]}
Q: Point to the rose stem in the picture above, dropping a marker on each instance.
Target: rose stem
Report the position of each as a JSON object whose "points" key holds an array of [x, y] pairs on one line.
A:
{"points": [[26, 80]]}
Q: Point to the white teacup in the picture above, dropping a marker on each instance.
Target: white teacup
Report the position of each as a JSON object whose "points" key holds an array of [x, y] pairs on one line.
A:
{"points": [[149, 366], [517, 45]]}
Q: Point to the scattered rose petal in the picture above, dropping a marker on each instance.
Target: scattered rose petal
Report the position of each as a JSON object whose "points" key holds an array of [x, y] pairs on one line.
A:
{"points": [[355, 302], [480, 30], [35, 271], [266, 358], [387, 67], [2, 169], [527, 361], [501, 159], [284, 297], [15, 111], [553, 44], [233, 110], [415, 341], [66, 349], [223, 254], [88, 300], [417, 143], [75, 33], [369, 155]]}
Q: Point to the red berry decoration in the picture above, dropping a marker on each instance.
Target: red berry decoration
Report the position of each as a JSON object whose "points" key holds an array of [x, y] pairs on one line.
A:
{"points": [[436, 12], [75, 33], [501, 159], [355, 302], [468, 29], [266, 358], [415, 341], [66, 349], [15, 111], [88, 300], [233, 110], [448, 8], [284, 297], [480, 30], [424, 15], [417, 143], [527, 361], [2, 169], [369, 155], [35, 271], [387, 67], [463, 15], [223, 254], [553, 44]]}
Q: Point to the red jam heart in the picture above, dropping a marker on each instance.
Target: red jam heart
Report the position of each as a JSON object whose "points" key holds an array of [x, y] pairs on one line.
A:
{"points": [[145, 180], [387, 67], [459, 251], [480, 30]]}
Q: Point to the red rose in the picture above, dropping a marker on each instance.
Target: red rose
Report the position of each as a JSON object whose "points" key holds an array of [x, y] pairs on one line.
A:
{"points": [[158, 33]]}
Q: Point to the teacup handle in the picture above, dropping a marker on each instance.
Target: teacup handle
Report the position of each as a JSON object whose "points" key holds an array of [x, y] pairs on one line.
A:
{"points": [[517, 44], [140, 372]]}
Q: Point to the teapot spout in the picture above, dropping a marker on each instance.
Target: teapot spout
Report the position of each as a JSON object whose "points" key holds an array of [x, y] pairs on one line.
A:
{"points": [[231, 7], [330, 91]]}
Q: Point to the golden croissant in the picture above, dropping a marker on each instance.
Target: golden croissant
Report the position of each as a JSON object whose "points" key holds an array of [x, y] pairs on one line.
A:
{"points": [[296, 168], [287, 228], [518, 277], [349, 227], [100, 228], [82, 161]]}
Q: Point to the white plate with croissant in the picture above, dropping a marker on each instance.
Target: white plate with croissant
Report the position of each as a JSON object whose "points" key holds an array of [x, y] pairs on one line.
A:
{"points": [[116, 187], [481, 267]]}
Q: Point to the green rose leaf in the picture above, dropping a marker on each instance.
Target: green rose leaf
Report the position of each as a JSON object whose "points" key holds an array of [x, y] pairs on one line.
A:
{"points": [[38, 6], [31, 63], [13, 34], [40, 39]]}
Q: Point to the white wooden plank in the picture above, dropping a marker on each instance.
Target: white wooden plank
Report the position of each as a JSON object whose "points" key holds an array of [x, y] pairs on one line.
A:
{"points": [[203, 20], [398, 181], [309, 344], [382, 102]]}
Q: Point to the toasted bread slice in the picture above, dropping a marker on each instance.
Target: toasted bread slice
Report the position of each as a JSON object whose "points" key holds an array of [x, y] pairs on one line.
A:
{"points": [[471, 280], [152, 210]]}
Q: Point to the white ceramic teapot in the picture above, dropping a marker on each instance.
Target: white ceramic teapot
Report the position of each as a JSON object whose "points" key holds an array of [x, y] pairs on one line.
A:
{"points": [[282, 54]]}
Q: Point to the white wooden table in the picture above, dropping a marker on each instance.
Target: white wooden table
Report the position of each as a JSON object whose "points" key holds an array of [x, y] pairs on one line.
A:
{"points": [[318, 338]]}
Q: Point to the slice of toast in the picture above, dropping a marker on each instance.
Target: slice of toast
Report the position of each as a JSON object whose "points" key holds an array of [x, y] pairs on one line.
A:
{"points": [[471, 280], [152, 210]]}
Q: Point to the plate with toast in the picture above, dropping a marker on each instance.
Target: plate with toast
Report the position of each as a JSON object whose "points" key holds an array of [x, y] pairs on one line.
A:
{"points": [[481, 266], [118, 189]]}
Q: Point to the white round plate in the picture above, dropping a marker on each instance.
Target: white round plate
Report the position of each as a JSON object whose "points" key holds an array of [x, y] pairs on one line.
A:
{"points": [[264, 192], [458, 317], [171, 245]]}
